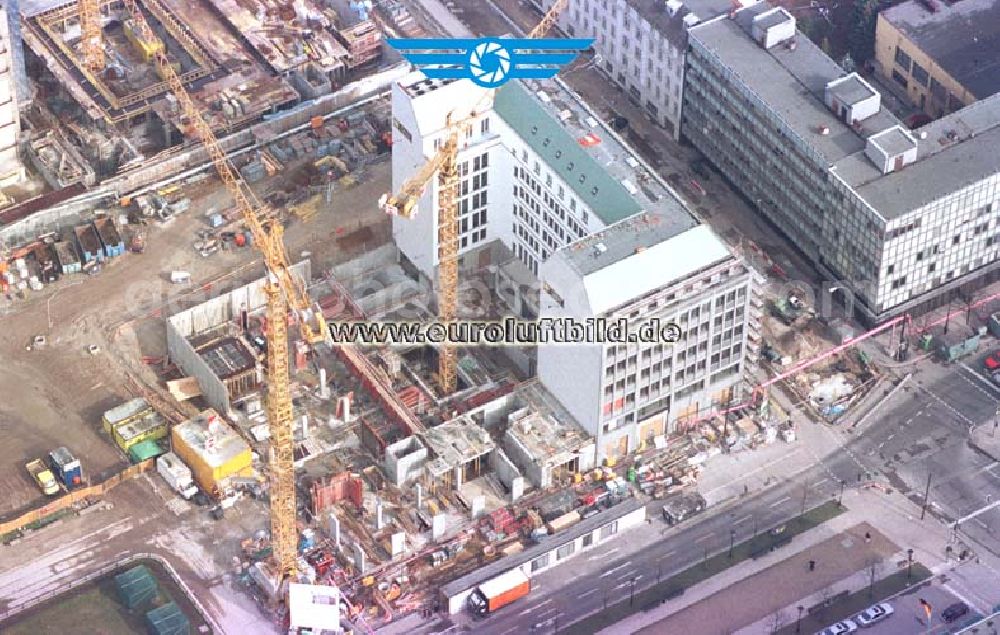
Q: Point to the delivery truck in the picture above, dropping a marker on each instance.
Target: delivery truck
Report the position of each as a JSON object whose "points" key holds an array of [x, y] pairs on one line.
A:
{"points": [[66, 468], [46, 481], [176, 474], [497, 593]]}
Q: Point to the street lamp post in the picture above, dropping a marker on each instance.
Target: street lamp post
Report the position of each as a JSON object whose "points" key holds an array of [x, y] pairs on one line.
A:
{"points": [[909, 564], [840, 499], [732, 539], [631, 596], [798, 622]]}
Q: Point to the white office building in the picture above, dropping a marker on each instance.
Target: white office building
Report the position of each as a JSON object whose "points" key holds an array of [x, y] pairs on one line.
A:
{"points": [[540, 174], [11, 68], [640, 45]]}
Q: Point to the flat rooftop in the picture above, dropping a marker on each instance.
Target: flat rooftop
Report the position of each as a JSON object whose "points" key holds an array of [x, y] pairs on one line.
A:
{"points": [[963, 38], [455, 443], [545, 439], [672, 27], [228, 356], [792, 81], [223, 443], [958, 150], [582, 151], [952, 152]]}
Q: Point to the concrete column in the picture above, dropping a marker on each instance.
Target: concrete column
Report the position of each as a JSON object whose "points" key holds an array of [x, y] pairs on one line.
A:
{"points": [[516, 489], [398, 543], [359, 559], [305, 426], [478, 506], [438, 526], [378, 515], [324, 388], [335, 530], [420, 496]]}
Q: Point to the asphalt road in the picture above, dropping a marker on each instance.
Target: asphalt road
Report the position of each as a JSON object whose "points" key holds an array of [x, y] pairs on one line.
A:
{"points": [[921, 430]]}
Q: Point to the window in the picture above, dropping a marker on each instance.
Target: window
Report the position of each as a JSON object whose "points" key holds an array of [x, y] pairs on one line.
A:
{"points": [[890, 269], [484, 125], [899, 78], [937, 90], [919, 74], [588, 540], [903, 60], [609, 530], [540, 562], [566, 550]]}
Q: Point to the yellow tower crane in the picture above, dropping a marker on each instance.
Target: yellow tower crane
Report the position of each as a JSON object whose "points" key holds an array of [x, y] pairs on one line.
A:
{"points": [[283, 290], [91, 37], [445, 164]]}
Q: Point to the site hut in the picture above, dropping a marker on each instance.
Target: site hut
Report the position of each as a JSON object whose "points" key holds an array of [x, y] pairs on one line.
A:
{"points": [[213, 450], [91, 249], [937, 58], [110, 238], [149, 426], [899, 218], [572, 179], [207, 342], [583, 536], [640, 45], [129, 411], [69, 260]]}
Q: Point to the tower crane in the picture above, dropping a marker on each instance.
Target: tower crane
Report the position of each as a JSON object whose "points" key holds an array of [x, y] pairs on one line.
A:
{"points": [[283, 291], [91, 36], [445, 164]]}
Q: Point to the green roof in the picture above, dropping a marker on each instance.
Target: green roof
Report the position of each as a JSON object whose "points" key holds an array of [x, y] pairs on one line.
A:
{"points": [[144, 450], [563, 154]]}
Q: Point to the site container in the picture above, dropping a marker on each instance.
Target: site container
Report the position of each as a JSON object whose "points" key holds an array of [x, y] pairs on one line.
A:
{"points": [[213, 450], [89, 243], [111, 239], [66, 467], [128, 411], [497, 593], [150, 426]]}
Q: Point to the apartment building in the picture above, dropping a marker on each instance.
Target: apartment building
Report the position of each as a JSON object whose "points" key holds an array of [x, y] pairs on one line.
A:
{"points": [[540, 174], [941, 55], [11, 168], [640, 45], [899, 217]]}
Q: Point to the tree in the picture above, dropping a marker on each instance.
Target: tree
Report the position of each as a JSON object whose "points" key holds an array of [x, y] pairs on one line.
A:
{"points": [[777, 621], [861, 39]]}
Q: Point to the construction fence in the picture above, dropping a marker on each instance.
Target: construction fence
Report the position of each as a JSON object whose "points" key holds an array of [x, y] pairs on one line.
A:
{"points": [[72, 498]]}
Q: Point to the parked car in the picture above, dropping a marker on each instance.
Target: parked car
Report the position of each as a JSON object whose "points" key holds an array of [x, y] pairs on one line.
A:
{"points": [[873, 614], [840, 628], [955, 611], [992, 361]]}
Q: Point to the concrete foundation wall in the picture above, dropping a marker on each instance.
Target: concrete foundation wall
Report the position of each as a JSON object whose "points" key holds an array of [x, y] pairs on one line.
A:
{"points": [[504, 468], [535, 472], [211, 314], [403, 460], [374, 259]]}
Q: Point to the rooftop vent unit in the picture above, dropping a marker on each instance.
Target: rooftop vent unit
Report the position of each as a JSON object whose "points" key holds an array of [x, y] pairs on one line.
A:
{"points": [[852, 99], [674, 7], [892, 149], [773, 27], [690, 20]]}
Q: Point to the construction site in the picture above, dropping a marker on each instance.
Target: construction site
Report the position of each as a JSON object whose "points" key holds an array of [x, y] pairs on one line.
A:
{"points": [[199, 201]]}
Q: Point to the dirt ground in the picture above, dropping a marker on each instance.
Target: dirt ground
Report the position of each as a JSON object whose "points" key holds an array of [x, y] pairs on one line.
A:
{"points": [[55, 396], [743, 603]]}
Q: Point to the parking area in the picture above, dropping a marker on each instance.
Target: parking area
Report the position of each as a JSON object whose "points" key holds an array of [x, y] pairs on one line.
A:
{"points": [[910, 617]]}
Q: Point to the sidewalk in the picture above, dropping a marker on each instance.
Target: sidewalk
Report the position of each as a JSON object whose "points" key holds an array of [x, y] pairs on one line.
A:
{"points": [[986, 437], [894, 518]]}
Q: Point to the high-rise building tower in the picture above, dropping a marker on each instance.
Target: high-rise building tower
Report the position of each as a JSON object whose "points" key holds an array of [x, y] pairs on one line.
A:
{"points": [[11, 67]]}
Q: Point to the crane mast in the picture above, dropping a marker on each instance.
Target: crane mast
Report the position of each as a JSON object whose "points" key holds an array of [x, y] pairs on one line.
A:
{"points": [[283, 290], [445, 164]]}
